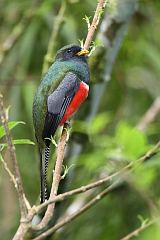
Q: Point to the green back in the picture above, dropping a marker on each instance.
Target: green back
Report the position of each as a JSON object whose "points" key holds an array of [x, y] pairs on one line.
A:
{"points": [[48, 84]]}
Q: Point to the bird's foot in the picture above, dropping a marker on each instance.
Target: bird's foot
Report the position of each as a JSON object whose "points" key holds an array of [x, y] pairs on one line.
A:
{"points": [[68, 123], [66, 127]]}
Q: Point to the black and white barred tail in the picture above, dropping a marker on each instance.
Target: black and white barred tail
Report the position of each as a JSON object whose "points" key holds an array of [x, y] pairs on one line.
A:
{"points": [[43, 173]]}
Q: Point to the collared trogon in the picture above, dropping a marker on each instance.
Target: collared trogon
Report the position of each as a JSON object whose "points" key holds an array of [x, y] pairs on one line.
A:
{"points": [[59, 95]]}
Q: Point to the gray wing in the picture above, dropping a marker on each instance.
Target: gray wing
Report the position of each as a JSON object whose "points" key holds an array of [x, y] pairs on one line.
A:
{"points": [[58, 102]]}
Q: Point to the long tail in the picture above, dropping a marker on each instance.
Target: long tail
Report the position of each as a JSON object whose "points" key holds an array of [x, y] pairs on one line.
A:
{"points": [[43, 173]]}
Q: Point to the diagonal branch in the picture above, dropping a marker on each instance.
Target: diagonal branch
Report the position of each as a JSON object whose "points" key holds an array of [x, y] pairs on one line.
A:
{"points": [[12, 39], [57, 23], [35, 209], [150, 115], [9, 172], [129, 167], [92, 28], [11, 148], [69, 219], [82, 189], [91, 203], [140, 229]]}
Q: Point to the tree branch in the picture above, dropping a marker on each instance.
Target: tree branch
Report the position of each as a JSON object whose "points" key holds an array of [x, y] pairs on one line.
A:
{"points": [[77, 213], [115, 183], [150, 115], [82, 189], [136, 232], [57, 23], [92, 28], [12, 39], [35, 209], [9, 172], [61, 197], [11, 148], [152, 152]]}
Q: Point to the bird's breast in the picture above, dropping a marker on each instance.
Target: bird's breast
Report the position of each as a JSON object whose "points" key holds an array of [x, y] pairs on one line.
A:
{"points": [[77, 100]]}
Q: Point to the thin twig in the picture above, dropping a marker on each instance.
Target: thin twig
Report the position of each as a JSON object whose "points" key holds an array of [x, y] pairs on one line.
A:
{"points": [[13, 37], [152, 152], [144, 194], [68, 219], [8, 171], [140, 229], [57, 23], [94, 24], [77, 213], [11, 148], [82, 189], [35, 209], [150, 115], [61, 197], [51, 202]]}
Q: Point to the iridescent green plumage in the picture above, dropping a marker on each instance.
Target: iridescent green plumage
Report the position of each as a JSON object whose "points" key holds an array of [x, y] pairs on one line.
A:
{"points": [[57, 72]]}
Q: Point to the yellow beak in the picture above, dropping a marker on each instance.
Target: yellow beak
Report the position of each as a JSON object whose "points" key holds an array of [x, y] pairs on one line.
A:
{"points": [[83, 52]]}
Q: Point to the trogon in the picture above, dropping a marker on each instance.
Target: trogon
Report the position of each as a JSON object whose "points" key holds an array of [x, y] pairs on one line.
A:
{"points": [[61, 92]]}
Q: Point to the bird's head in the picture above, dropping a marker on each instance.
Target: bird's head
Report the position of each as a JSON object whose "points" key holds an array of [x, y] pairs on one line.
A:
{"points": [[70, 52]]}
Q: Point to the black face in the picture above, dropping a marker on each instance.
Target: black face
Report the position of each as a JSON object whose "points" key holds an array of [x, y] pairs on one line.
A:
{"points": [[69, 52]]}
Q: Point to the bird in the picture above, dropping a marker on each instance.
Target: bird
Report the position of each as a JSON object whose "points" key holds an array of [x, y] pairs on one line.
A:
{"points": [[61, 92]]}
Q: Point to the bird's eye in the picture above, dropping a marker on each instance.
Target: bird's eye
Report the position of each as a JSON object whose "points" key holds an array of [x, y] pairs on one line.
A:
{"points": [[69, 51]]}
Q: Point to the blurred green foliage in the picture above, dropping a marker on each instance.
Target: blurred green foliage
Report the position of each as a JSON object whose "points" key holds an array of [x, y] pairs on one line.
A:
{"points": [[110, 139]]}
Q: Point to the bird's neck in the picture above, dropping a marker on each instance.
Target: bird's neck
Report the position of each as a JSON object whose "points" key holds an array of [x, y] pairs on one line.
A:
{"points": [[78, 67]]}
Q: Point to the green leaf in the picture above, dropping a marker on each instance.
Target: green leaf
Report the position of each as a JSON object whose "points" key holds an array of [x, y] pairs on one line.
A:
{"points": [[23, 141], [99, 123], [87, 19], [93, 161], [81, 41], [131, 141], [143, 220], [19, 141], [79, 126], [145, 177], [11, 125]]}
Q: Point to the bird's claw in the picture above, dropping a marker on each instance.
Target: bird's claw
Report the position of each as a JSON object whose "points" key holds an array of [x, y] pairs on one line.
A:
{"points": [[68, 124]]}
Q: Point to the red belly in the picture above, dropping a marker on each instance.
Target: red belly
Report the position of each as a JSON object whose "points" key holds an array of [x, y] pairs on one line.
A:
{"points": [[79, 98]]}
